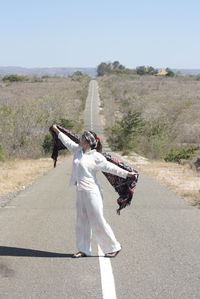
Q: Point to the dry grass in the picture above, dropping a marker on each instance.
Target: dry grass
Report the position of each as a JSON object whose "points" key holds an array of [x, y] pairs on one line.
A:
{"points": [[175, 101], [27, 109], [17, 174], [179, 178]]}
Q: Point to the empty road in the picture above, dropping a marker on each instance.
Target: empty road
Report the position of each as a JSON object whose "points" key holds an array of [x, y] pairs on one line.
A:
{"points": [[159, 233]]}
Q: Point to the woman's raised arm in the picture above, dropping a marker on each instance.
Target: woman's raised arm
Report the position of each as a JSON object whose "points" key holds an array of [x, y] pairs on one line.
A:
{"points": [[66, 141], [106, 166]]}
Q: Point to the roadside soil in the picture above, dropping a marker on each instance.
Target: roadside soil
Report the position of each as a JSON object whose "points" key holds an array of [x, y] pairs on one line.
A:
{"points": [[16, 174]]}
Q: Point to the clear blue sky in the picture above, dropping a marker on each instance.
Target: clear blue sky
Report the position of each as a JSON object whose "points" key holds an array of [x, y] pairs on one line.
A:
{"points": [[83, 33]]}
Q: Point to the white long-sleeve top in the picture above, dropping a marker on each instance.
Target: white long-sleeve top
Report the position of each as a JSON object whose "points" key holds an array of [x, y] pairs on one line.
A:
{"points": [[85, 165]]}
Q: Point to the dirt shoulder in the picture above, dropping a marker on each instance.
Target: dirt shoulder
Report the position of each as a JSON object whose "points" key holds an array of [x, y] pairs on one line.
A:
{"points": [[179, 178], [17, 174]]}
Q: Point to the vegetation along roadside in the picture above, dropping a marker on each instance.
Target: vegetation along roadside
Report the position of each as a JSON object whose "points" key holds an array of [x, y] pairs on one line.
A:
{"points": [[154, 114], [28, 107]]}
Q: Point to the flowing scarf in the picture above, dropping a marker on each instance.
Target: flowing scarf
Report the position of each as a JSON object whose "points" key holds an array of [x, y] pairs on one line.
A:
{"points": [[124, 187]]}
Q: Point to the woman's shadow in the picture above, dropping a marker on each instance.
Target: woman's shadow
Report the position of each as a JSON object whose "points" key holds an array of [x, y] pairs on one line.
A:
{"points": [[15, 251]]}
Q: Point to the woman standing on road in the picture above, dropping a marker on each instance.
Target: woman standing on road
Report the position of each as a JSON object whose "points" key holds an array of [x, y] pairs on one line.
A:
{"points": [[87, 161]]}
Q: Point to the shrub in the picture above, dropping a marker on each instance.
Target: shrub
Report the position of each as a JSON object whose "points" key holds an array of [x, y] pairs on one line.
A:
{"points": [[155, 128], [149, 138], [45, 77], [153, 141], [79, 76], [2, 156], [140, 70], [15, 78], [47, 143], [170, 73], [122, 134], [35, 79], [66, 123], [198, 77], [77, 73], [175, 155]]}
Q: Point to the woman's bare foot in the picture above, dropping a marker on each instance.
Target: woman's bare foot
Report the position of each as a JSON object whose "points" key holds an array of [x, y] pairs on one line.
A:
{"points": [[112, 254], [79, 254]]}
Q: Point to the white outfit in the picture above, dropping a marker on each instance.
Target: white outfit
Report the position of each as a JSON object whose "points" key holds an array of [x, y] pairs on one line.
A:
{"points": [[89, 198]]}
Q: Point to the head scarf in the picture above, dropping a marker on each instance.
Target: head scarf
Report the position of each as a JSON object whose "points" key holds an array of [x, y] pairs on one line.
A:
{"points": [[90, 138]]}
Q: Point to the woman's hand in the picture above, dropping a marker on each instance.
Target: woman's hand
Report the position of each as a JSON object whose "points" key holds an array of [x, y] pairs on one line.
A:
{"points": [[132, 174], [55, 129]]}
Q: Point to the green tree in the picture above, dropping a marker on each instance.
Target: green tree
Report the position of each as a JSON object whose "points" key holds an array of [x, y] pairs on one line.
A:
{"points": [[79, 76], [141, 70], [109, 67], [77, 73], [123, 133], [151, 71], [116, 65], [170, 73], [146, 70], [103, 68]]}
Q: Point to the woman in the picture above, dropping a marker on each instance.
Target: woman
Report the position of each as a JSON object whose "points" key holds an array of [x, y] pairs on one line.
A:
{"points": [[87, 161]]}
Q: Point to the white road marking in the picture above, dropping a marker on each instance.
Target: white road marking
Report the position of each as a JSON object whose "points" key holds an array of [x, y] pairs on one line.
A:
{"points": [[107, 278]]}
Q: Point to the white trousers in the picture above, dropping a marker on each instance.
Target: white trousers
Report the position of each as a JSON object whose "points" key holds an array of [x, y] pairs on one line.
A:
{"points": [[90, 221]]}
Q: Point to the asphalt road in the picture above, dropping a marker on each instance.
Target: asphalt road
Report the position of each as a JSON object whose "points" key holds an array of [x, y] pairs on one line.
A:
{"points": [[159, 232]]}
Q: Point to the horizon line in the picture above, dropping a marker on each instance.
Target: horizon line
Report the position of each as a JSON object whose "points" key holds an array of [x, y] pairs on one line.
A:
{"points": [[92, 67]]}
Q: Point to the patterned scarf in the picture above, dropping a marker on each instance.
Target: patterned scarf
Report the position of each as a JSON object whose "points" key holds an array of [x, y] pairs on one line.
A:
{"points": [[124, 187]]}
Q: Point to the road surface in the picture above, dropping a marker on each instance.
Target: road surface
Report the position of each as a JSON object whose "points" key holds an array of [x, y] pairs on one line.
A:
{"points": [[159, 233]]}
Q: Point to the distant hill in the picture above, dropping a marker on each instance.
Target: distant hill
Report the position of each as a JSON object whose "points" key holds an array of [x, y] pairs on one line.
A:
{"points": [[50, 71], [66, 71]]}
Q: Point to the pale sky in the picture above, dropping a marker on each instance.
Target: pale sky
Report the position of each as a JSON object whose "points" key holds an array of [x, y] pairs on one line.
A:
{"points": [[75, 33]]}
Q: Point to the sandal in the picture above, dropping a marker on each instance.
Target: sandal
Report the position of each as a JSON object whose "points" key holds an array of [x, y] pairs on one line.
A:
{"points": [[112, 254], [79, 254]]}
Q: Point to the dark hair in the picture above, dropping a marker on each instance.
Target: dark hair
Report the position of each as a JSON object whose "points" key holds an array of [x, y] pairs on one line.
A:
{"points": [[99, 144]]}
